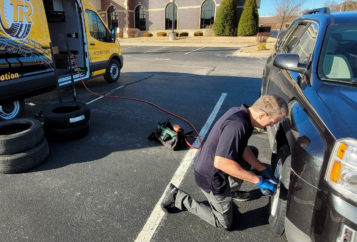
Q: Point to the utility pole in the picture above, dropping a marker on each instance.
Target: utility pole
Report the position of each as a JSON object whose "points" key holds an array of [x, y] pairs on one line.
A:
{"points": [[172, 35]]}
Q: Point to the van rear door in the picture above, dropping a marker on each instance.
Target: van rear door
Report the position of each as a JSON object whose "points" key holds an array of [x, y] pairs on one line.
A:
{"points": [[26, 65]]}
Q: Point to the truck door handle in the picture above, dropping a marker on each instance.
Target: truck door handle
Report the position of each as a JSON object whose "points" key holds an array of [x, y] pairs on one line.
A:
{"points": [[92, 43]]}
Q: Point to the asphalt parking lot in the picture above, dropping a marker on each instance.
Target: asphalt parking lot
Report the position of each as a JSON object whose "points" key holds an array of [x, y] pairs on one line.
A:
{"points": [[106, 186]]}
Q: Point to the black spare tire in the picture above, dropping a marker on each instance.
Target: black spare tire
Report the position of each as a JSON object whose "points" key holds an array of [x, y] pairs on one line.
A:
{"points": [[19, 135], [67, 134], [66, 115], [25, 160]]}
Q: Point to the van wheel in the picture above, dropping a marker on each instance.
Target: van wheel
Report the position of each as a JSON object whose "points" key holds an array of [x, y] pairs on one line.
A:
{"points": [[278, 202], [12, 110], [112, 73]]}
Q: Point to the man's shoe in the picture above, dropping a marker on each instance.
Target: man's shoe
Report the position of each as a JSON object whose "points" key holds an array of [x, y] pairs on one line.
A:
{"points": [[240, 196], [168, 202]]}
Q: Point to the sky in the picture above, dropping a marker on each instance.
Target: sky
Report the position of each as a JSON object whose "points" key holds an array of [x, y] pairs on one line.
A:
{"points": [[267, 7]]}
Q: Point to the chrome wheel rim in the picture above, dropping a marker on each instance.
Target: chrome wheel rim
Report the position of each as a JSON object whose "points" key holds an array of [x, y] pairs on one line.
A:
{"points": [[114, 71], [9, 110], [275, 201]]}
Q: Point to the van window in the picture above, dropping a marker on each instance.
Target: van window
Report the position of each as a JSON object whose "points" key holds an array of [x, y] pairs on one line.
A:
{"points": [[96, 27]]}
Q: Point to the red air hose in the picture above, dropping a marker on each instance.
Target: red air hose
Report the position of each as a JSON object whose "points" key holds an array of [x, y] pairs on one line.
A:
{"points": [[143, 101], [152, 104]]}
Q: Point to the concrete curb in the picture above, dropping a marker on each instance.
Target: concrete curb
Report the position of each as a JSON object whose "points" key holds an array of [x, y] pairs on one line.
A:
{"points": [[239, 46]]}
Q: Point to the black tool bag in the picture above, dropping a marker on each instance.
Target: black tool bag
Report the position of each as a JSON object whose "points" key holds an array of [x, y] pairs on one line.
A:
{"points": [[166, 134]]}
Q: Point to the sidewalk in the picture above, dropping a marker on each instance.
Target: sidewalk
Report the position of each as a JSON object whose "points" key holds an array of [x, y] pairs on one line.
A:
{"points": [[246, 46]]}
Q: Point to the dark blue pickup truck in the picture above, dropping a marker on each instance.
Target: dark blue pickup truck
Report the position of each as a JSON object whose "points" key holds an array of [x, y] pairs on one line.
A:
{"points": [[314, 150]]}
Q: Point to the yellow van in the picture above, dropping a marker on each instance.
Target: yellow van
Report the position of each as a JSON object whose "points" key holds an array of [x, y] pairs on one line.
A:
{"points": [[44, 43]]}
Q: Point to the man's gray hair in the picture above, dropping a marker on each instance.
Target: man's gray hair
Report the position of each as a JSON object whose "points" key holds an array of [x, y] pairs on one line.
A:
{"points": [[272, 105]]}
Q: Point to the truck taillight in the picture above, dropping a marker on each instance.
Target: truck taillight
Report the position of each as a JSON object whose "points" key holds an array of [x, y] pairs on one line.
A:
{"points": [[341, 172]]}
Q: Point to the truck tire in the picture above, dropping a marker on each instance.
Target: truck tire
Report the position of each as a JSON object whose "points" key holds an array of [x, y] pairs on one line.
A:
{"points": [[12, 110], [112, 73], [66, 115], [25, 160], [67, 134], [19, 135], [278, 202]]}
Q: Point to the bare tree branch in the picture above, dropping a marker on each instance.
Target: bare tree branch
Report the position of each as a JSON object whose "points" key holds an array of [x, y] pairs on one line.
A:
{"points": [[287, 10]]}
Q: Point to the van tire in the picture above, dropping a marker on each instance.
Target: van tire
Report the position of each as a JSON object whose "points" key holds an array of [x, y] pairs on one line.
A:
{"points": [[278, 202], [67, 134], [25, 160], [66, 115], [19, 135], [12, 110], [112, 73]]}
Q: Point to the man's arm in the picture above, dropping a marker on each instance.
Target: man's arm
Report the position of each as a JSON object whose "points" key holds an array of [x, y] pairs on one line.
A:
{"points": [[249, 157], [232, 168]]}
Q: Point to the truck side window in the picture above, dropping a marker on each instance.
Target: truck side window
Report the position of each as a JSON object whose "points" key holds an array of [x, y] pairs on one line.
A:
{"points": [[96, 27], [302, 41]]}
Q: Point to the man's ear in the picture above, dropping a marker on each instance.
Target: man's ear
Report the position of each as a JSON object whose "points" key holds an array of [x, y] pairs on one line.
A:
{"points": [[262, 114]]}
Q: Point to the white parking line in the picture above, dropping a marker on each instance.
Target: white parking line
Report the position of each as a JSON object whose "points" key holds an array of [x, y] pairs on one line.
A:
{"points": [[157, 214], [108, 93], [194, 50], [150, 51]]}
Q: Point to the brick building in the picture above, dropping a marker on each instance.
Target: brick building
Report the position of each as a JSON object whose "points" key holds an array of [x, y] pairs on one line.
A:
{"points": [[156, 15]]}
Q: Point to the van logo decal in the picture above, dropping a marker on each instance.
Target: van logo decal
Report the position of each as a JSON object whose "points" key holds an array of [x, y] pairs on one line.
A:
{"points": [[15, 18]]}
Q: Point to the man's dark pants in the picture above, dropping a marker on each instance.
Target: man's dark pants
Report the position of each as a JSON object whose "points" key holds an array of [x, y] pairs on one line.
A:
{"points": [[219, 212]]}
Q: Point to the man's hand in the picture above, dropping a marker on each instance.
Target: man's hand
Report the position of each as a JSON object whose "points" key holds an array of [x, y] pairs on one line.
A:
{"points": [[268, 174], [266, 187]]}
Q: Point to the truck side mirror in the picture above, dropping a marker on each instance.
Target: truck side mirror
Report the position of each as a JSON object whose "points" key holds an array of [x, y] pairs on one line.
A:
{"points": [[290, 62], [113, 34]]}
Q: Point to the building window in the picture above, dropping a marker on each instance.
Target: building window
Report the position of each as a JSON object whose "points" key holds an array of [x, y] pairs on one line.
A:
{"points": [[112, 18], [171, 16], [207, 13], [140, 18]]}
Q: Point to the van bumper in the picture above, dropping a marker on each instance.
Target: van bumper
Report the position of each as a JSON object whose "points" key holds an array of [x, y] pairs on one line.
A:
{"points": [[24, 87]]}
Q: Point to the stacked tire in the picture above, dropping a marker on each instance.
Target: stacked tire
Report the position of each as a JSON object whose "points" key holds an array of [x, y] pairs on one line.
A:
{"points": [[22, 145], [66, 121]]}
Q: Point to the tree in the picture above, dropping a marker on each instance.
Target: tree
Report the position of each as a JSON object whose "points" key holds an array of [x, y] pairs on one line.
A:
{"points": [[287, 10], [225, 23], [249, 20]]}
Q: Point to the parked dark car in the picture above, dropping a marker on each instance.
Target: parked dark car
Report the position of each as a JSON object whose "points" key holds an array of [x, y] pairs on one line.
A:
{"points": [[314, 150]]}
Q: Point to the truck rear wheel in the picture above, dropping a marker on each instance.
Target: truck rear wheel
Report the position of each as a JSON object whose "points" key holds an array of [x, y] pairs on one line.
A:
{"points": [[12, 110], [112, 73], [278, 202]]}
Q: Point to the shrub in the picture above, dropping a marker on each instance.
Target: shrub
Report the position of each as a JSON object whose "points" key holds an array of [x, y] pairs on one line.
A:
{"points": [[198, 33], [248, 23], [183, 34], [225, 23], [161, 34], [147, 34], [133, 33]]}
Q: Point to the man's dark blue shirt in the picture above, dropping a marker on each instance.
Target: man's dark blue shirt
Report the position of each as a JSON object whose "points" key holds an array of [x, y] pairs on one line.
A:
{"points": [[228, 138]]}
